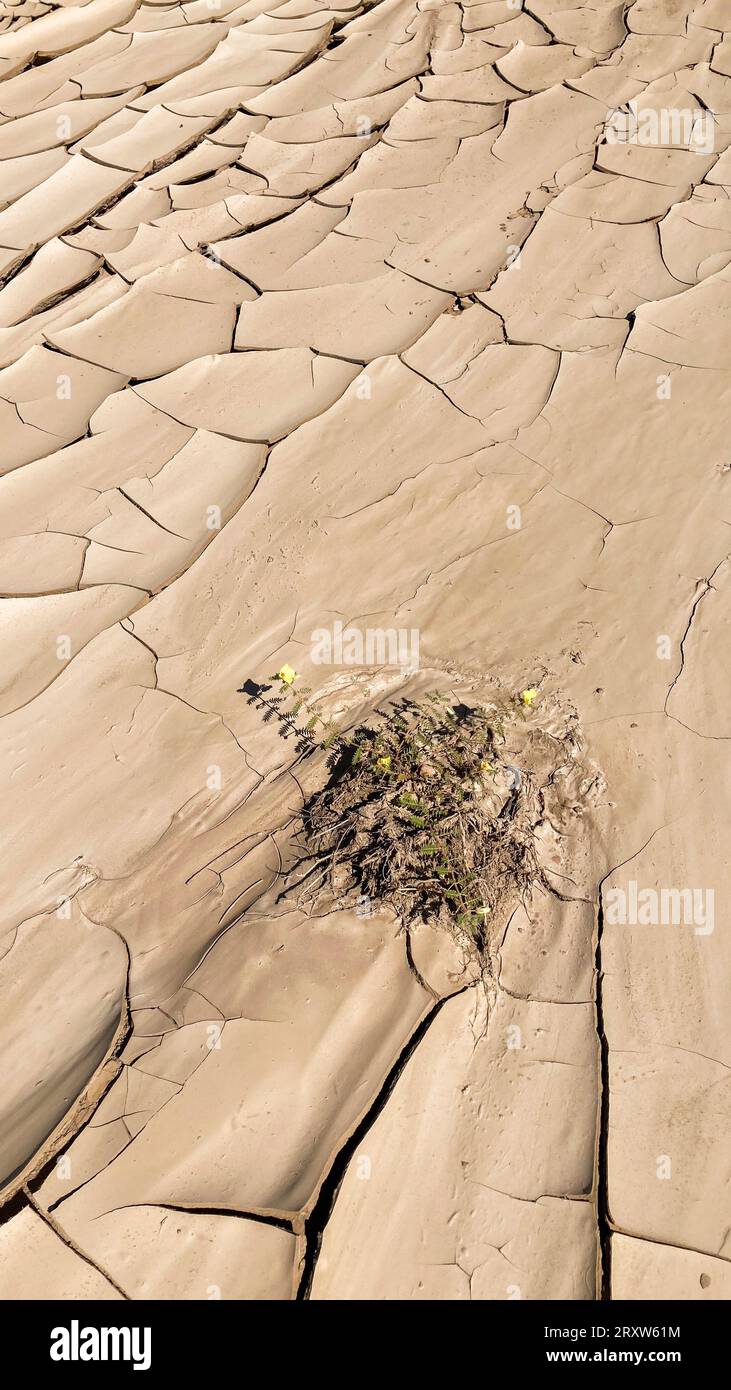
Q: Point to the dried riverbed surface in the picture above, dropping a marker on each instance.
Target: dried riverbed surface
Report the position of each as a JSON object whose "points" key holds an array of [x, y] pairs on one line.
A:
{"points": [[385, 346]]}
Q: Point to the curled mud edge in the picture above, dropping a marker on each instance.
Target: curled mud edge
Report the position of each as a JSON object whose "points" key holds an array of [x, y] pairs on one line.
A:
{"points": [[80, 1113]]}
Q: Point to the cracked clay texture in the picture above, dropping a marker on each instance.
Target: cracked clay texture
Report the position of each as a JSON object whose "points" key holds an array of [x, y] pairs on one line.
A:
{"points": [[408, 318]]}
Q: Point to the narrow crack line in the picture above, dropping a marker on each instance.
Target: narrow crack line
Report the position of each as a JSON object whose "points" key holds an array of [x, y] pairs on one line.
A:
{"points": [[413, 967], [193, 990], [705, 587], [209, 866], [205, 714], [538, 999], [263, 1215], [669, 1244], [435, 385], [531, 14], [150, 517], [66, 1196], [76, 654], [601, 1174], [316, 1221], [542, 1196], [674, 1047], [206, 250], [71, 1244], [131, 633], [410, 478], [579, 503], [712, 738], [687, 284], [601, 1192]]}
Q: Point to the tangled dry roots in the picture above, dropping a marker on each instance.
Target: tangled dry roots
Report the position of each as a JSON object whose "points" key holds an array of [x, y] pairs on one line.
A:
{"points": [[420, 813]]}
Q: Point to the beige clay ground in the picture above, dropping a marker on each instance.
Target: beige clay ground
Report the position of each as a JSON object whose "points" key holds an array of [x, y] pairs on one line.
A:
{"points": [[360, 314]]}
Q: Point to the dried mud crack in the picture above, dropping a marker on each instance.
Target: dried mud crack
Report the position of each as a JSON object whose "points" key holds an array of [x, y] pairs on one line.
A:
{"points": [[318, 1218], [604, 1253]]}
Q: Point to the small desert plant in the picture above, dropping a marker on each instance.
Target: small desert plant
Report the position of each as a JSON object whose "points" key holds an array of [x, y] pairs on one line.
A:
{"points": [[315, 732], [411, 815]]}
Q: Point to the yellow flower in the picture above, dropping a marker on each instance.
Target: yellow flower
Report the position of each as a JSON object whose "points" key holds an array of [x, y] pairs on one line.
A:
{"points": [[287, 675], [485, 766], [528, 696], [384, 762]]}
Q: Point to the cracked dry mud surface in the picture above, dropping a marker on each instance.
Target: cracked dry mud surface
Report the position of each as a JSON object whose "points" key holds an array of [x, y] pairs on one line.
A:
{"points": [[357, 313]]}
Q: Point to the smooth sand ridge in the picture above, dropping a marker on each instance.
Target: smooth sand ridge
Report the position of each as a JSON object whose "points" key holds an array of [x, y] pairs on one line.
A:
{"points": [[398, 334]]}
